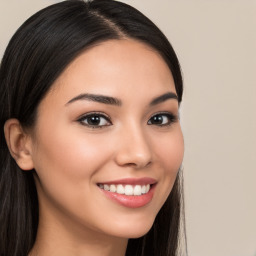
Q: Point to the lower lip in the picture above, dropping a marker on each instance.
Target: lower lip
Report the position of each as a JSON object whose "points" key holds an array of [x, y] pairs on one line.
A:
{"points": [[131, 201]]}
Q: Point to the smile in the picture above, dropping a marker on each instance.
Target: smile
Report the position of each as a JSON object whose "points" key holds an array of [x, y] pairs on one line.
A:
{"points": [[128, 189], [129, 192]]}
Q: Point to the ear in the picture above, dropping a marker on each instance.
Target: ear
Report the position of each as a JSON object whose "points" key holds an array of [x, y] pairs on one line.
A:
{"points": [[19, 144]]}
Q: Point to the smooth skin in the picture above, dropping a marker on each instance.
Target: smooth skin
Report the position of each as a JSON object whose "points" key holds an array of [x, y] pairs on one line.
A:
{"points": [[78, 142]]}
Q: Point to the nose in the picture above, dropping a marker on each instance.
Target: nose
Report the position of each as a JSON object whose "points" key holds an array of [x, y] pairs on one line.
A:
{"points": [[134, 149]]}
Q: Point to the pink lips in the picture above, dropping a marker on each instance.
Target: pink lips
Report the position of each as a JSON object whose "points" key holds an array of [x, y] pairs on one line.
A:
{"points": [[131, 201]]}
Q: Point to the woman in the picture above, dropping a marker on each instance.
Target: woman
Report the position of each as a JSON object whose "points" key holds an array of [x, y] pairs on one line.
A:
{"points": [[91, 144]]}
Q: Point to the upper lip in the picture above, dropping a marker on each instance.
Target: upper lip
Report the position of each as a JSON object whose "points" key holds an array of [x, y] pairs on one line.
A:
{"points": [[131, 181]]}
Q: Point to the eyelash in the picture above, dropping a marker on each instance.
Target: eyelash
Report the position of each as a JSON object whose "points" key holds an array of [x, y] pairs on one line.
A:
{"points": [[171, 118], [95, 114], [98, 115]]}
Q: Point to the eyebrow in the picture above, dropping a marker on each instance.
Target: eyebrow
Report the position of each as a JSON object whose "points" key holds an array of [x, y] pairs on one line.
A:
{"points": [[164, 97], [117, 102], [97, 98]]}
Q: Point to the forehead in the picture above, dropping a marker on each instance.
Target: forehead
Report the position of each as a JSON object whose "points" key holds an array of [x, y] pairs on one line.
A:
{"points": [[116, 67]]}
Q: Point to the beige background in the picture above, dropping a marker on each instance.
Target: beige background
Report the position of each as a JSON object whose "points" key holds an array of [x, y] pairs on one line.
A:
{"points": [[216, 43]]}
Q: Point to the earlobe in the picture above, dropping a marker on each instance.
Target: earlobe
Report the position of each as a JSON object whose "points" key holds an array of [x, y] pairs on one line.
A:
{"points": [[19, 144]]}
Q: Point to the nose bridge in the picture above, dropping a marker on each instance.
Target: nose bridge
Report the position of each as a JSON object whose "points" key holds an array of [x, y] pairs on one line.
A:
{"points": [[134, 147]]}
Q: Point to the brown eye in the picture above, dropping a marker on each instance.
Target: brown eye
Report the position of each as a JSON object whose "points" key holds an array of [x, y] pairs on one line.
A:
{"points": [[95, 120], [162, 119]]}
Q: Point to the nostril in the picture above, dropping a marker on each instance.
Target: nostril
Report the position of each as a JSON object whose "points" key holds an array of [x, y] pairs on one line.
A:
{"points": [[149, 163]]}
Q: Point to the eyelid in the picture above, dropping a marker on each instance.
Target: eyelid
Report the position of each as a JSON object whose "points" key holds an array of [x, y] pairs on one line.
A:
{"points": [[91, 113], [173, 117], [94, 113], [164, 113]]}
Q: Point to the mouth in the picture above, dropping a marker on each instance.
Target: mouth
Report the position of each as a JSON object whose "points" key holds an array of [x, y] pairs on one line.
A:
{"points": [[128, 189], [131, 193]]}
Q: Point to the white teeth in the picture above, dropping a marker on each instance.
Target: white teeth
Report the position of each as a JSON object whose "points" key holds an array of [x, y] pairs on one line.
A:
{"points": [[120, 189], [106, 187], [137, 190], [128, 190], [112, 188]]}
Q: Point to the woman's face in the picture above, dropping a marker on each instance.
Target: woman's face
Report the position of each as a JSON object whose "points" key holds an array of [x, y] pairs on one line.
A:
{"points": [[110, 122]]}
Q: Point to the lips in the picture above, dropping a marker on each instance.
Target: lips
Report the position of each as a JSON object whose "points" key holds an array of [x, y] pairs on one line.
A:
{"points": [[132, 193]]}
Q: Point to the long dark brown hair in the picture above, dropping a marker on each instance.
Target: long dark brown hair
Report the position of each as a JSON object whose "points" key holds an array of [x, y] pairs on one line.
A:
{"points": [[36, 55]]}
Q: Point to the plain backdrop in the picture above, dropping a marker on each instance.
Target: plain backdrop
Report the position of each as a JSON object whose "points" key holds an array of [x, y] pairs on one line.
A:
{"points": [[215, 41]]}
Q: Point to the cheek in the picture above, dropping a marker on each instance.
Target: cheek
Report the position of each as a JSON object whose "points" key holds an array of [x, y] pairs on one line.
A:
{"points": [[66, 164], [65, 160], [170, 151], [70, 152]]}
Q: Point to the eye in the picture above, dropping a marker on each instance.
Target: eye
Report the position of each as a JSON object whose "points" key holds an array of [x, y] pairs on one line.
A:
{"points": [[162, 119], [95, 120]]}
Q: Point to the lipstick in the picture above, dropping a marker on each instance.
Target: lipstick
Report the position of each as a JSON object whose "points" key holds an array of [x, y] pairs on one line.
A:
{"points": [[129, 192]]}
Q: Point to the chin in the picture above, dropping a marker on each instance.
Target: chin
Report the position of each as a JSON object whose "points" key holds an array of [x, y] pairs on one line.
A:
{"points": [[133, 230]]}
